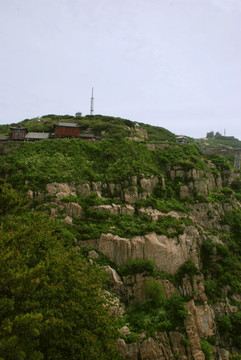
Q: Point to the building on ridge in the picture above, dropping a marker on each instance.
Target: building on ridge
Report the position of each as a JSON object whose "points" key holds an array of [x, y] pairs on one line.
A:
{"points": [[67, 130], [18, 132], [182, 139], [36, 136]]}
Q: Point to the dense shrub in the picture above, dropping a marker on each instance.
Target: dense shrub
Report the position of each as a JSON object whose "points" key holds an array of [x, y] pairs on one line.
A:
{"points": [[51, 302], [157, 313], [137, 266], [9, 199], [230, 327], [220, 161], [207, 349], [188, 268]]}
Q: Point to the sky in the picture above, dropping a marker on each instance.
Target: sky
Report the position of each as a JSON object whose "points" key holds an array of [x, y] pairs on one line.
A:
{"points": [[169, 63]]}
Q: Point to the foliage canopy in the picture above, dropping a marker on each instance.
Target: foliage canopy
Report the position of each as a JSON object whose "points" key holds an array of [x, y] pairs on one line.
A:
{"points": [[51, 305]]}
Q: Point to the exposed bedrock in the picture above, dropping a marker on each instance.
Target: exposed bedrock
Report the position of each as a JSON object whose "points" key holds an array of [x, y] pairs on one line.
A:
{"points": [[168, 254]]}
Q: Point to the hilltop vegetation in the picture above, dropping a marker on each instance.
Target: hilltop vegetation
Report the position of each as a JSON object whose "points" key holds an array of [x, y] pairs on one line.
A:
{"points": [[219, 142], [104, 126]]}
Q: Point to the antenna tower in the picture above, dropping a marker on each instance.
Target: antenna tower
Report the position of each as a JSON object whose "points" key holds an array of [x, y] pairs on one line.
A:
{"points": [[92, 103], [224, 132]]}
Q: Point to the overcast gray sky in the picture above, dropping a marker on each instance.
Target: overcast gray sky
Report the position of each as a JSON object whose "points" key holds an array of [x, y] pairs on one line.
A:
{"points": [[170, 63]]}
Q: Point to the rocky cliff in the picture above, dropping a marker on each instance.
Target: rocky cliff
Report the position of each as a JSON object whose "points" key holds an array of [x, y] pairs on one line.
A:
{"points": [[164, 222], [199, 337]]}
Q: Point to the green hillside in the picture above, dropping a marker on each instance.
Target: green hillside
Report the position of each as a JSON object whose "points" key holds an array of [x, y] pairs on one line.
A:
{"points": [[116, 249], [108, 161], [219, 142]]}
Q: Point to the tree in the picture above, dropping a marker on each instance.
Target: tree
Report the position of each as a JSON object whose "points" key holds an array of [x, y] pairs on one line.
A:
{"points": [[154, 291], [210, 135], [9, 198], [51, 305]]}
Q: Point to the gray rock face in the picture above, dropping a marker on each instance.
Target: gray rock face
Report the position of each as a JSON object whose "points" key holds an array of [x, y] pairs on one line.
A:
{"points": [[74, 210], [168, 254], [125, 331], [208, 215], [115, 209], [199, 181], [60, 190], [128, 351], [149, 185], [194, 288], [155, 214], [158, 349], [83, 189]]}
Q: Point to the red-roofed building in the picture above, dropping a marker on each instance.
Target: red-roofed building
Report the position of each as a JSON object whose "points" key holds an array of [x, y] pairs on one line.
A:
{"points": [[18, 132], [66, 130]]}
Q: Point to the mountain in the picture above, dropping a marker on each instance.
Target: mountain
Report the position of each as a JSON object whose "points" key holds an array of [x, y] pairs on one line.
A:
{"points": [[153, 226]]}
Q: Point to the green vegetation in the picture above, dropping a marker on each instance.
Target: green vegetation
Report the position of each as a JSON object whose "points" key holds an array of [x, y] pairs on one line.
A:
{"points": [[187, 269], [219, 142], [187, 156], [156, 313], [222, 262], [221, 267], [104, 126], [51, 303], [137, 266], [75, 160], [221, 162], [235, 357], [156, 133], [9, 198], [165, 205], [97, 222], [230, 327], [207, 349]]}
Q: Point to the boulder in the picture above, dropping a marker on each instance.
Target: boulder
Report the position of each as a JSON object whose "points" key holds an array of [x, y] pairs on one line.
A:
{"points": [[35, 195], [93, 254], [74, 210], [83, 189], [115, 209], [130, 196], [125, 331], [68, 220], [61, 190], [114, 305], [128, 351], [149, 184], [152, 350], [97, 188], [178, 346]]}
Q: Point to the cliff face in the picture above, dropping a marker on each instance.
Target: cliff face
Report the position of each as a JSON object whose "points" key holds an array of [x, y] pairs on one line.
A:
{"points": [[200, 335], [164, 221]]}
